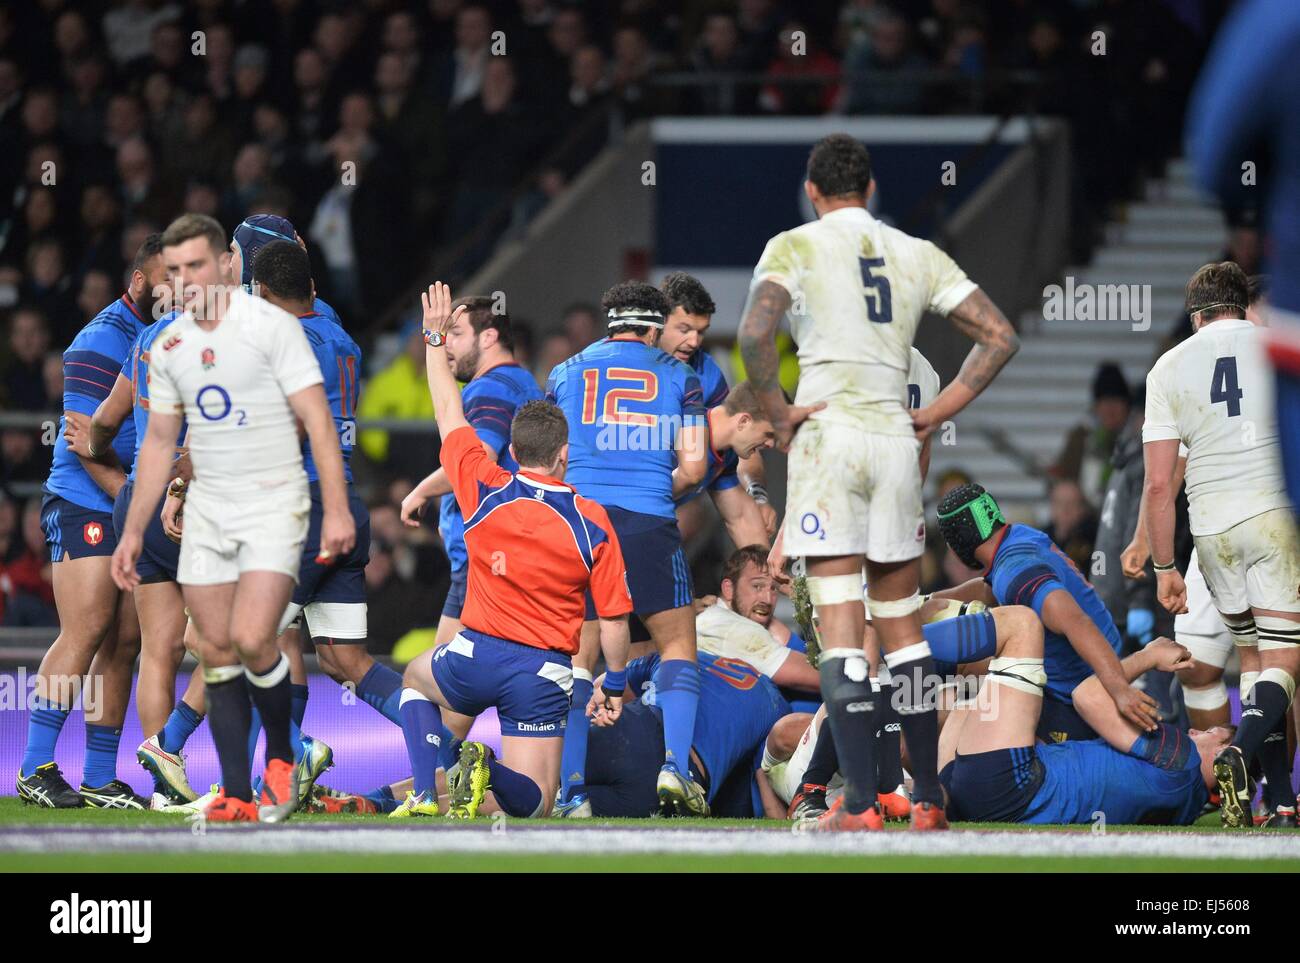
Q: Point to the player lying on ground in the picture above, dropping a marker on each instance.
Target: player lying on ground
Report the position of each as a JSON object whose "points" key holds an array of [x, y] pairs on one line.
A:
{"points": [[855, 290], [535, 549], [961, 643], [1023, 567], [737, 709], [239, 369], [99, 636], [1213, 395], [994, 770]]}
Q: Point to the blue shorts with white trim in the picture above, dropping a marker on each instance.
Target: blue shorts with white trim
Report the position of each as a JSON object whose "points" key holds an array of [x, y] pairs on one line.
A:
{"points": [[530, 687]]}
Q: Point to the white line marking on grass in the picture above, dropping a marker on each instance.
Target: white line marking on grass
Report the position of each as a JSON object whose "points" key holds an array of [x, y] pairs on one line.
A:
{"points": [[433, 840]]}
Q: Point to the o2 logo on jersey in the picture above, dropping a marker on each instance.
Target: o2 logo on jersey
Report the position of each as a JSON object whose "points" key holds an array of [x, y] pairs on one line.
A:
{"points": [[213, 402], [810, 524], [93, 533]]}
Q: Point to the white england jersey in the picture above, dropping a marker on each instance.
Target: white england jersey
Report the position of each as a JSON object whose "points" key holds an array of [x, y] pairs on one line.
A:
{"points": [[858, 289], [922, 382], [1214, 393], [232, 384], [729, 635]]}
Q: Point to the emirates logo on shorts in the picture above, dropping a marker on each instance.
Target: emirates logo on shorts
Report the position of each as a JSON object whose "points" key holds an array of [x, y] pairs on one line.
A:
{"points": [[93, 533]]}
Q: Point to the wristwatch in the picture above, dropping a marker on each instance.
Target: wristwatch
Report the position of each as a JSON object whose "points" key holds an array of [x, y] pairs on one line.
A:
{"points": [[434, 339]]}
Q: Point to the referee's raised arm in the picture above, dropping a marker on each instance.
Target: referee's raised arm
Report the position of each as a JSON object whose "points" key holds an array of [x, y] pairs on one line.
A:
{"points": [[438, 320]]}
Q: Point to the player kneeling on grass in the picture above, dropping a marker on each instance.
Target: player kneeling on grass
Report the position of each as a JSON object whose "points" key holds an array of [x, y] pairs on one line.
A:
{"points": [[993, 770], [535, 548]]}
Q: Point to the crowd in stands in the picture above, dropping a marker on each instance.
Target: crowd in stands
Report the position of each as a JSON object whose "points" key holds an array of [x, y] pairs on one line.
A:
{"points": [[389, 129]]}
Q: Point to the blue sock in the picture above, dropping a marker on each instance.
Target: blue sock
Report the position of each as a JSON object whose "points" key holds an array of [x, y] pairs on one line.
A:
{"points": [[254, 730], [43, 730], [298, 703], [573, 761], [101, 755], [295, 741], [383, 798], [677, 692], [967, 638], [448, 749], [180, 726], [517, 794], [381, 689], [421, 725]]}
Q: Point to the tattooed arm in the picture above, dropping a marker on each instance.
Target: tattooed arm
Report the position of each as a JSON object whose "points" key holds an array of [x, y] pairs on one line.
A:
{"points": [[767, 305], [995, 342]]}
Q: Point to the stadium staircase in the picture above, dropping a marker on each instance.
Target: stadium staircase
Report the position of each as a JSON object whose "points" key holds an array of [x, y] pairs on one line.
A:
{"points": [[1009, 436]]}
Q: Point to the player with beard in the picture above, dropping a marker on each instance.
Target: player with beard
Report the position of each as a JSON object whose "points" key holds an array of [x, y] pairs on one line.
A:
{"points": [[688, 321], [98, 631]]}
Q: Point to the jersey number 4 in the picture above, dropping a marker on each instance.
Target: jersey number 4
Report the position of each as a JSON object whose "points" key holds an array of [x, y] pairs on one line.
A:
{"points": [[1223, 387], [644, 387], [880, 308]]}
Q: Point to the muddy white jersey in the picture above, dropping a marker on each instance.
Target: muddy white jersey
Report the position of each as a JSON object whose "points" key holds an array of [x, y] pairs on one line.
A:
{"points": [[729, 635], [1214, 393], [858, 289], [232, 384], [922, 382]]}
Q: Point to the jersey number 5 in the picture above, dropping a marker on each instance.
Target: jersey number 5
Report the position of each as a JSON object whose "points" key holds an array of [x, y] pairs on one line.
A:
{"points": [[1223, 387], [880, 308], [646, 388]]}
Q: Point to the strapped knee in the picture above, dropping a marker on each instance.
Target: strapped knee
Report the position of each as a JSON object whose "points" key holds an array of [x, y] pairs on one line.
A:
{"points": [[898, 609], [1206, 698], [1275, 633], [835, 589], [1027, 675], [1242, 630]]}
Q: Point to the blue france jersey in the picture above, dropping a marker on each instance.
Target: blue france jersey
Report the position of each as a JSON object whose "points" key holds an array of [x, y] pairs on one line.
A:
{"points": [[340, 366], [738, 708], [1027, 568], [626, 404], [490, 401], [712, 383], [720, 476], [91, 365], [1089, 776], [136, 370]]}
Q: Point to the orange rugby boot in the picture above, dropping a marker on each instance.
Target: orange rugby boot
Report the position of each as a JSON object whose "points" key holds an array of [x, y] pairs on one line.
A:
{"points": [[927, 817]]}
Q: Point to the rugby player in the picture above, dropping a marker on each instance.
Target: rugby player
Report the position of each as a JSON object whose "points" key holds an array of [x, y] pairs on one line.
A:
{"points": [[691, 309], [634, 411], [804, 779], [1201, 629], [240, 370], [859, 289], [738, 707], [535, 547], [738, 430], [331, 599], [99, 637], [480, 349], [165, 631], [1213, 394], [1023, 567], [993, 770]]}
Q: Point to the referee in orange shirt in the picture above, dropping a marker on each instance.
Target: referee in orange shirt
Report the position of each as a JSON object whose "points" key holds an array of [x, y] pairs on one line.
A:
{"points": [[536, 547]]}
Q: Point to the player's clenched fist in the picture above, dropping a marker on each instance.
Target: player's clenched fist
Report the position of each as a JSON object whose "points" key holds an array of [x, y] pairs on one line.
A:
{"points": [[338, 533], [1172, 591]]}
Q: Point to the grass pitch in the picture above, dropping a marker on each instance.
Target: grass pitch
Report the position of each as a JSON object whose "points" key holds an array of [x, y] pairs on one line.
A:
{"points": [[42, 840]]}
